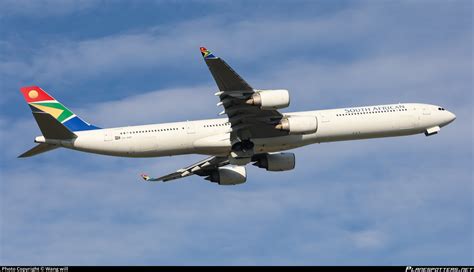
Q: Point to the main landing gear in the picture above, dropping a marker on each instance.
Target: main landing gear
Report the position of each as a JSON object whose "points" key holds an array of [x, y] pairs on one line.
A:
{"points": [[243, 146]]}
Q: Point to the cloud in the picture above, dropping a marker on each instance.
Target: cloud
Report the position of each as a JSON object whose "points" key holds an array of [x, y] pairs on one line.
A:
{"points": [[104, 212], [157, 106], [380, 79], [161, 46], [382, 55]]}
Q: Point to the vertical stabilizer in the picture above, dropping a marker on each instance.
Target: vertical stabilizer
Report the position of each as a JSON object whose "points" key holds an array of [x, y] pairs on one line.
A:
{"points": [[40, 101]]}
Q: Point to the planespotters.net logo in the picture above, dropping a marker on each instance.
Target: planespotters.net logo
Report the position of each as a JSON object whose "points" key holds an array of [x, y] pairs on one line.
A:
{"points": [[439, 269]]}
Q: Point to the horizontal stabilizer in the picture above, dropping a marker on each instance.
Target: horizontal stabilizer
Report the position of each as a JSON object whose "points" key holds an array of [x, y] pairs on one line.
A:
{"points": [[40, 148], [52, 128]]}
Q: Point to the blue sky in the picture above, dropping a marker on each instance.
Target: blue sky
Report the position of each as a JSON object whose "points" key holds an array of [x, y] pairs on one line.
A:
{"points": [[397, 201]]}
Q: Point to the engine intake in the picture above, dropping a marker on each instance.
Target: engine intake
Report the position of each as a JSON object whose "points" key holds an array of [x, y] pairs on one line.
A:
{"points": [[298, 124], [276, 161], [228, 175], [270, 99]]}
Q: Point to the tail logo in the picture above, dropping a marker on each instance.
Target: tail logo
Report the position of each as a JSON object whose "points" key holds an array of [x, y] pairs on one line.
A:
{"points": [[33, 94], [54, 108], [39, 100], [206, 53]]}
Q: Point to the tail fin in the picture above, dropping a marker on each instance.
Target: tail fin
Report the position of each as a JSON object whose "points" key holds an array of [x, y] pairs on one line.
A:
{"points": [[41, 102]]}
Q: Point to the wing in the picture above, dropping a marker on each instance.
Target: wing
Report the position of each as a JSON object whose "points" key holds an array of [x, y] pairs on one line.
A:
{"points": [[247, 121], [201, 168]]}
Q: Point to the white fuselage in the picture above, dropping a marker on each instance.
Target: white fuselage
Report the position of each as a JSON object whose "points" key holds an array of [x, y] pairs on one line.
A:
{"points": [[212, 136]]}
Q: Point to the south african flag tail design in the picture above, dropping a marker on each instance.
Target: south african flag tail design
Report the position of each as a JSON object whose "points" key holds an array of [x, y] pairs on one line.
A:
{"points": [[41, 101], [206, 54]]}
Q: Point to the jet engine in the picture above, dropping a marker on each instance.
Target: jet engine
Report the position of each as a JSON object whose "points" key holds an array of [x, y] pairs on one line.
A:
{"points": [[276, 161], [298, 124], [270, 99], [228, 175]]}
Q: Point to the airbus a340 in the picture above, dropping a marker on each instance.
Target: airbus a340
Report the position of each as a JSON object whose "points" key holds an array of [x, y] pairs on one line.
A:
{"points": [[253, 130]]}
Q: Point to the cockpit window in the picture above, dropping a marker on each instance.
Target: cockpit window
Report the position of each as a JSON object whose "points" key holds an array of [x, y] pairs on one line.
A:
{"points": [[441, 109]]}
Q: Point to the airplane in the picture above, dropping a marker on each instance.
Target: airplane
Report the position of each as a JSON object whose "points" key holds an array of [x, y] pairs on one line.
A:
{"points": [[254, 130]]}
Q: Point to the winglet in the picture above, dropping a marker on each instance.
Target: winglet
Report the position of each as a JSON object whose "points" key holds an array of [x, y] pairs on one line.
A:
{"points": [[145, 177], [206, 54]]}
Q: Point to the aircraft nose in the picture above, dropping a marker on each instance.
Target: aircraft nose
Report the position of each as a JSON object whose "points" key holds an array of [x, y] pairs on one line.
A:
{"points": [[450, 117]]}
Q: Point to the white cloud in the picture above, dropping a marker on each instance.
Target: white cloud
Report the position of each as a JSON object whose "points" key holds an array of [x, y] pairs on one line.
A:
{"points": [[168, 105], [409, 77], [113, 218], [163, 46]]}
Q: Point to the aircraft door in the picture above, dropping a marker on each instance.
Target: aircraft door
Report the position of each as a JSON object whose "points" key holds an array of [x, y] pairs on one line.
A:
{"points": [[324, 118], [112, 135], [108, 135], [190, 127]]}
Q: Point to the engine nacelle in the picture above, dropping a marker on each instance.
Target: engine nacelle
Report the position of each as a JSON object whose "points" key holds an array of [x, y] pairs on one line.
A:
{"points": [[228, 175], [298, 124], [270, 99], [277, 161]]}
